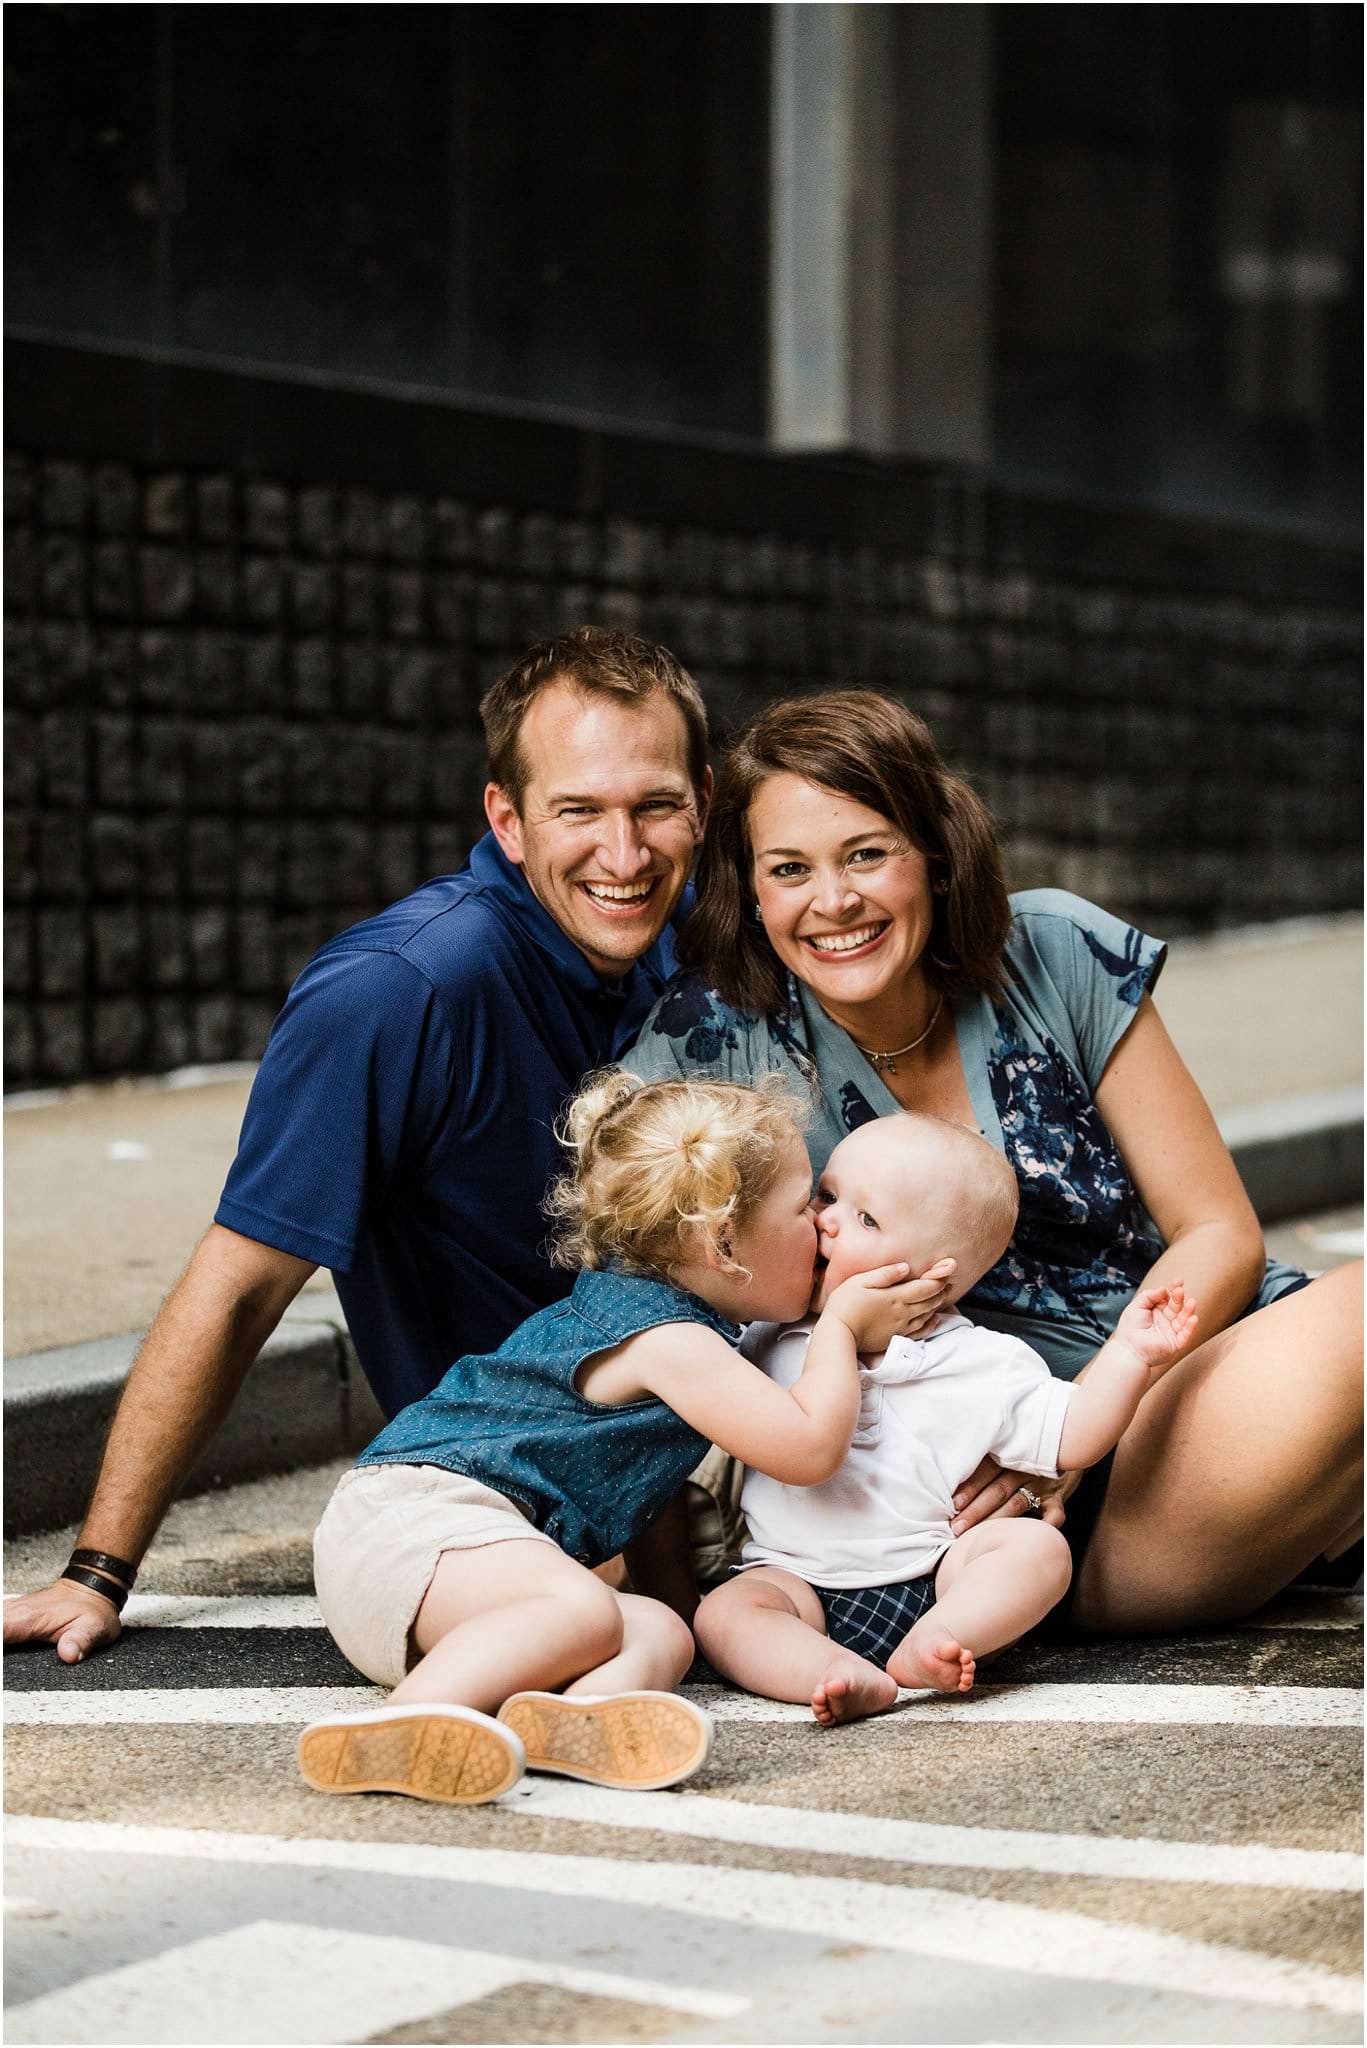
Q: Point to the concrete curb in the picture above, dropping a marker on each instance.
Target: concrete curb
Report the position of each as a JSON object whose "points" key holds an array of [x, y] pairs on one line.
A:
{"points": [[306, 1399], [1299, 1154]]}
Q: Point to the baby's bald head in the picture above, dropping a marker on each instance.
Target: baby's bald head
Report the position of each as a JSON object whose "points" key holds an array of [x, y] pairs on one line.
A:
{"points": [[932, 1188]]}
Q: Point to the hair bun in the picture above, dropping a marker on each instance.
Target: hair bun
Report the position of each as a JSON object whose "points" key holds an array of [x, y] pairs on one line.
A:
{"points": [[600, 1095]]}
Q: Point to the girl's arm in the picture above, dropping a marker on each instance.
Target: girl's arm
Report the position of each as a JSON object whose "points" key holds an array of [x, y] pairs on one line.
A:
{"points": [[798, 1435]]}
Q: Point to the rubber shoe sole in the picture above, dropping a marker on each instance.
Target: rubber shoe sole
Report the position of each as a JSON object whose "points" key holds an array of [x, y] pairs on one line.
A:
{"points": [[634, 1741], [427, 1752]]}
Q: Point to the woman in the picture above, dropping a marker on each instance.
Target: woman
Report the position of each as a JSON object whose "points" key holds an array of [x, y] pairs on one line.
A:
{"points": [[852, 925]]}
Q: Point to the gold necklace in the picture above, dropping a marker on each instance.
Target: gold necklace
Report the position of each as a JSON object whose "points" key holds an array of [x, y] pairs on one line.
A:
{"points": [[884, 1062]]}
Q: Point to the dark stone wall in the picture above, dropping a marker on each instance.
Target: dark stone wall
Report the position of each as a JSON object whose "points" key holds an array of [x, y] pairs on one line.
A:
{"points": [[248, 621]]}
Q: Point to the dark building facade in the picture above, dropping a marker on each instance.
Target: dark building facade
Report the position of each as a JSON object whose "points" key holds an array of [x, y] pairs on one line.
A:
{"points": [[996, 356]]}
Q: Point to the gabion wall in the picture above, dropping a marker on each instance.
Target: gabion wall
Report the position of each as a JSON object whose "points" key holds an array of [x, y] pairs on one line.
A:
{"points": [[241, 693]]}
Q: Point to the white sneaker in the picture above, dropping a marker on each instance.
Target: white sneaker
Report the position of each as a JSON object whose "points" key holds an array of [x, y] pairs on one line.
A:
{"points": [[429, 1751], [635, 1741]]}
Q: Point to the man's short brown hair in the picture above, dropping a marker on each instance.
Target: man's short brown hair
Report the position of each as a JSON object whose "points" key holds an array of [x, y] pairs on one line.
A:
{"points": [[598, 661]]}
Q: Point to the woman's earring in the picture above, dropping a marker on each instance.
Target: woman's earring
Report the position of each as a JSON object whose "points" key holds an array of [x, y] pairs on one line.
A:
{"points": [[759, 915]]}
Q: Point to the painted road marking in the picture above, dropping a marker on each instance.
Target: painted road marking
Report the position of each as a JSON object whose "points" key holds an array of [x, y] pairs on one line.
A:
{"points": [[210, 1610], [904, 1841], [292, 1704], [276, 1981], [1273, 1706], [914, 1920], [1267, 1706], [197, 1610], [1291, 1612]]}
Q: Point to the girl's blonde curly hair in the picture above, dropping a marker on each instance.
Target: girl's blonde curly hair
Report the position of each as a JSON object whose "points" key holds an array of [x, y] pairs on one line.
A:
{"points": [[663, 1168]]}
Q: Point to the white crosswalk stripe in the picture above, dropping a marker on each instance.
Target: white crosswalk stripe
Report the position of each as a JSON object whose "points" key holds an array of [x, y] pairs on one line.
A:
{"points": [[1267, 1706], [911, 1842], [912, 1920], [194, 1610], [272, 1981]]}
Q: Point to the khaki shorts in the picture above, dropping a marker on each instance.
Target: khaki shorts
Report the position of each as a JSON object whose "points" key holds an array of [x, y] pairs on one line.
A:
{"points": [[379, 1542], [716, 1527]]}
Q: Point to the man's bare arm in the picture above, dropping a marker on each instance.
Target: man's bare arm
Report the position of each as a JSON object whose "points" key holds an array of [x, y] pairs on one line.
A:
{"points": [[184, 1380]]}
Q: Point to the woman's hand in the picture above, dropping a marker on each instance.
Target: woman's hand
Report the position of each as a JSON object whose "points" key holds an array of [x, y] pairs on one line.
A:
{"points": [[988, 1490], [875, 1307]]}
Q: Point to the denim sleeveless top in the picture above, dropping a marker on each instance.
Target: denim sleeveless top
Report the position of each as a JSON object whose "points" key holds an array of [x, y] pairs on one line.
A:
{"points": [[591, 1477]]}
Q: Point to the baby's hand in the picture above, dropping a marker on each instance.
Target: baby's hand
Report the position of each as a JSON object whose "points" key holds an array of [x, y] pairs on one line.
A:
{"points": [[1158, 1323], [877, 1306]]}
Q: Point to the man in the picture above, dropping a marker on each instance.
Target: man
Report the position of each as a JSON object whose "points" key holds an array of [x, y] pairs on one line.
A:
{"points": [[400, 1129]]}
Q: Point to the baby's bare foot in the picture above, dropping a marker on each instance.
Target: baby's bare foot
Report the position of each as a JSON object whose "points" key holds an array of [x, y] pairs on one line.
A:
{"points": [[849, 1692], [936, 1661]]}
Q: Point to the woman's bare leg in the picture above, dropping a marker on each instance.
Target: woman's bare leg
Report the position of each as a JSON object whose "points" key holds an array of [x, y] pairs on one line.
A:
{"points": [[1243, 1464]]}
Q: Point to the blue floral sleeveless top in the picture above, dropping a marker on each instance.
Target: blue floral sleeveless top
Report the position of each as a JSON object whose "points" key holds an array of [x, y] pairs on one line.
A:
{"points": [[1032, 1061]]}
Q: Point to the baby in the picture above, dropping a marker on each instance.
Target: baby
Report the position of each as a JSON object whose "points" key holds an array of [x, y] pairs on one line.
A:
{"points": [[856, 1586]]}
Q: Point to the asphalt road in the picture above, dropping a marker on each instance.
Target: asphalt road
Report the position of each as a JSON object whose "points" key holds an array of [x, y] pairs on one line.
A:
{"points": [[1151, 1842]]}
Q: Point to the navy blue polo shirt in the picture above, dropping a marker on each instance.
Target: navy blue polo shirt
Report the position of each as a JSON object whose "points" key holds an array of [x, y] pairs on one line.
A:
{"points": [[400, 1128]]}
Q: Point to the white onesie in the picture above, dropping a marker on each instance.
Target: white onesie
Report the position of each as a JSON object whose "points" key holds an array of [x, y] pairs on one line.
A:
{"points": [[930, 1409]]}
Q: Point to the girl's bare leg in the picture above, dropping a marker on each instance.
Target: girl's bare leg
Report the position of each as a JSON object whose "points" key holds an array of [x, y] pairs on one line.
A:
{"points": [[657, 1649], [993, 1584], [506, 1617], [766, 1630], [620, 1723], [1242, 1465]]}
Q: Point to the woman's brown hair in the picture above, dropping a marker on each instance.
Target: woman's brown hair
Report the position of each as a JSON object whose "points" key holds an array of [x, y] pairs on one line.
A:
{"points": [[870, 748]]}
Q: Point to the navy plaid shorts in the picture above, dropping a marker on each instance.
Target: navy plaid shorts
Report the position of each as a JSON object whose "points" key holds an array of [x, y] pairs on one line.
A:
{"points": [[872, 1620]]}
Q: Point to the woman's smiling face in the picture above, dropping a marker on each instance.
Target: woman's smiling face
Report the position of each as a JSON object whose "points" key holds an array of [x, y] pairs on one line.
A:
{"points": [[844, 897]]}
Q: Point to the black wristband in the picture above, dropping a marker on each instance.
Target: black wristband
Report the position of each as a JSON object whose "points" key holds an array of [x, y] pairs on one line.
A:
{"points": [[110, 1588], [102, 1561]]}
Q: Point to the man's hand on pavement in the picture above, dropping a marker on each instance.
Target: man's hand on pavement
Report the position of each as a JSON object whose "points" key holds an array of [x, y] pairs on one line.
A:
{"points": [[77, 1621]]}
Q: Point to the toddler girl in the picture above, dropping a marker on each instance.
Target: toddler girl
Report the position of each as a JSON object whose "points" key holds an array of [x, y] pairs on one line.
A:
{"points": [[454, 1562]]}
